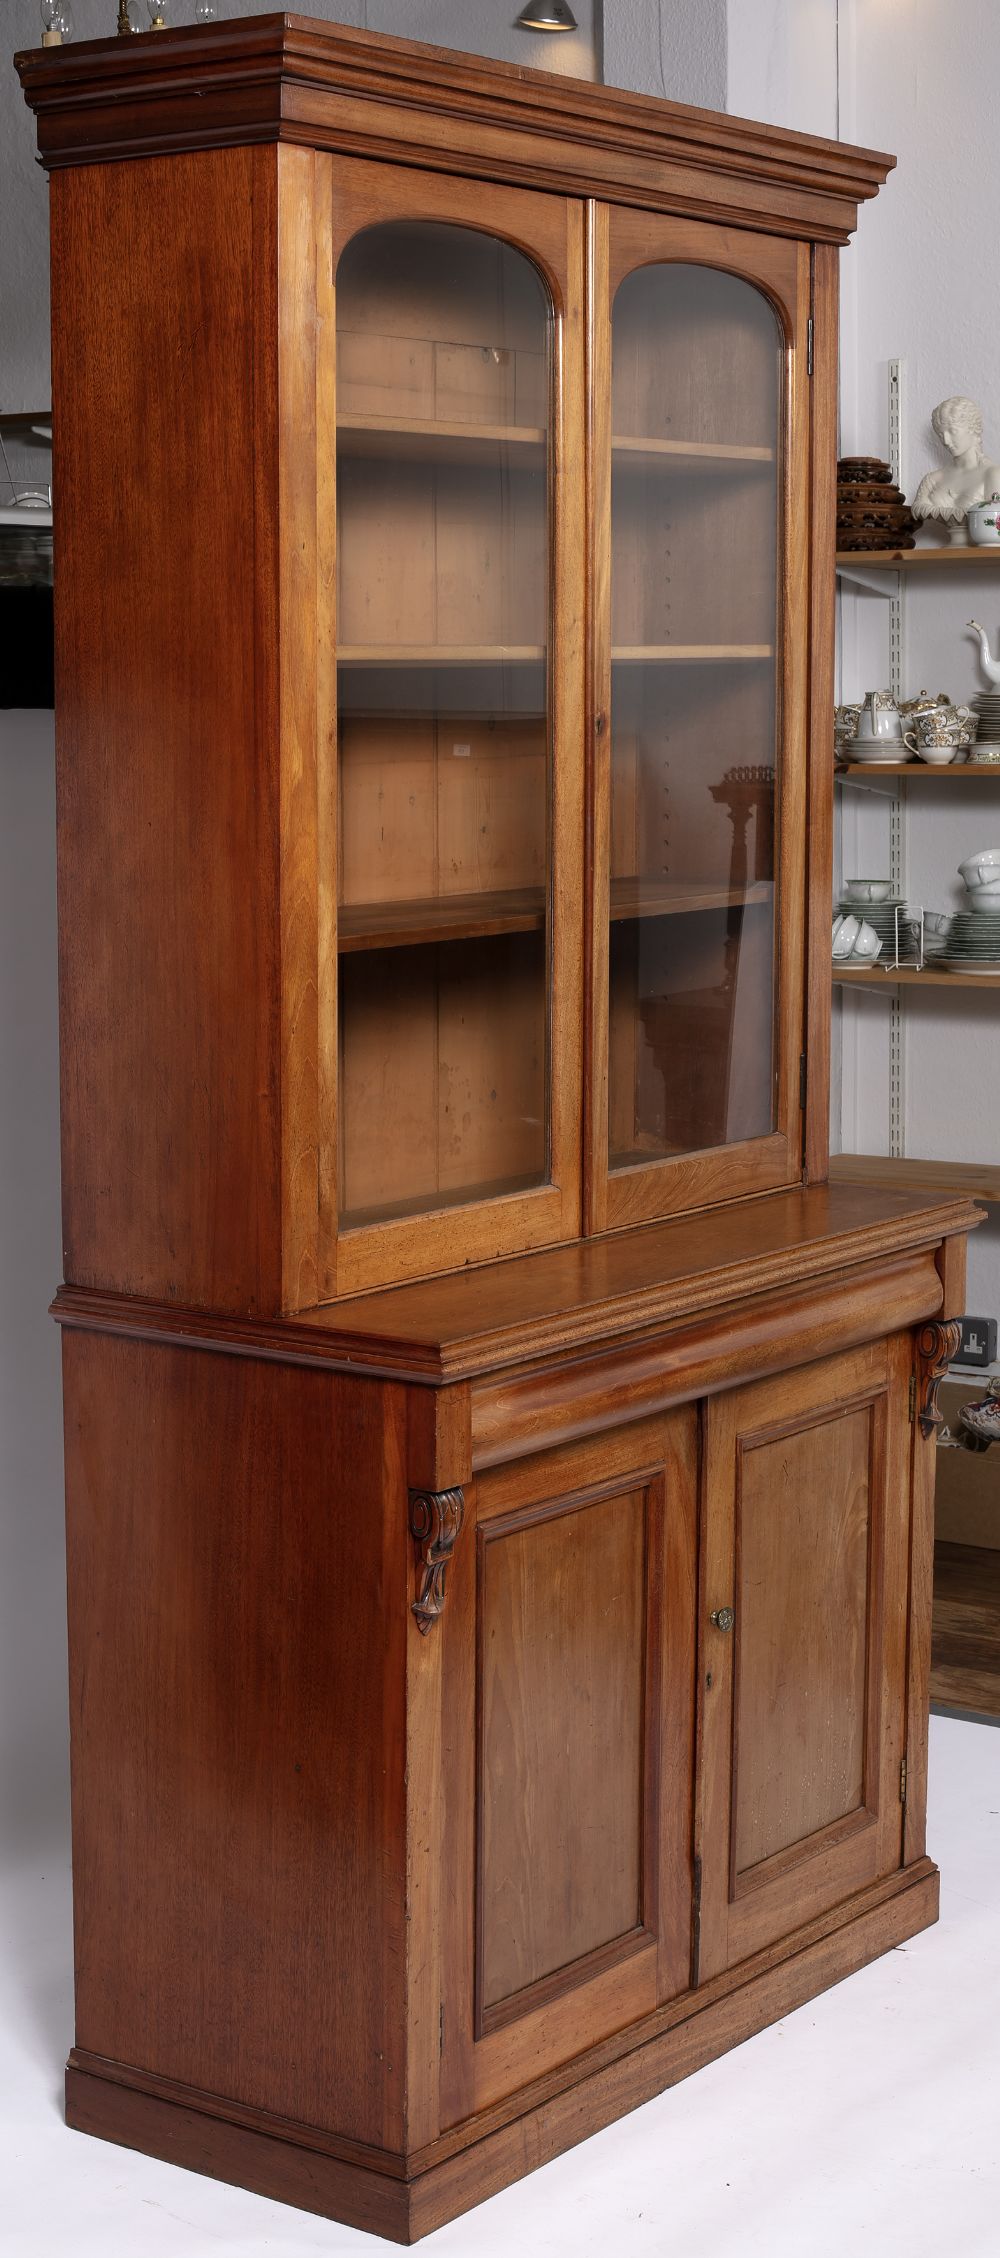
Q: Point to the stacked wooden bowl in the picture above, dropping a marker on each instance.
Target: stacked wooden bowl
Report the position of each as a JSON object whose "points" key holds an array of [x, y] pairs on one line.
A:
{"points": [[872, 513]]}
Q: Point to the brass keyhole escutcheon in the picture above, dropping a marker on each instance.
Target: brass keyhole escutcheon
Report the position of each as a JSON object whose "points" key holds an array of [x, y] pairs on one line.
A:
{"points": [[723, 1618]]}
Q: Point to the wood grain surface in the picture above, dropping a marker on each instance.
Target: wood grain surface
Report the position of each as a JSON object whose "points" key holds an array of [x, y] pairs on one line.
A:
{"points": [[965, 1657], [237, 1691], [286, 77]]}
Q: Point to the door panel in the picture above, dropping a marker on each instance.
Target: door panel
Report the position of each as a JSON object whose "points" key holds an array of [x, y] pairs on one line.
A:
{"points": [[569, 1807], [806, 1521], [561, 1627], [700, 500], [451, 789], [802, 1584]]}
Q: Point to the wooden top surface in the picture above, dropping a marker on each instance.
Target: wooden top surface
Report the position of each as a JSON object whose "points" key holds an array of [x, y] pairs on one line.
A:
{"points": [[571, 1299], [286, 77]]}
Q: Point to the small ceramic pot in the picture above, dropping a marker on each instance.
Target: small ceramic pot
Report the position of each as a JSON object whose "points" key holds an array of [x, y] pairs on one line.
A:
{"points": [[984, 524], [868, 889]]}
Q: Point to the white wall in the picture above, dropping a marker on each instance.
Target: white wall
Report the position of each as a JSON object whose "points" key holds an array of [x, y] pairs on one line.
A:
{"points": [[920, 288], [782, 63]]}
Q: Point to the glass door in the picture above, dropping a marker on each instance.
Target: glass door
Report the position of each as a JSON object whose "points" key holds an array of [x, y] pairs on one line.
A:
{"points": [[700, 673], [456, 964]]}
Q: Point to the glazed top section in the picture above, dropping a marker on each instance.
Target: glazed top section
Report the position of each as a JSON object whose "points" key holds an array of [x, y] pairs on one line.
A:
{"points": [[286, 78]]}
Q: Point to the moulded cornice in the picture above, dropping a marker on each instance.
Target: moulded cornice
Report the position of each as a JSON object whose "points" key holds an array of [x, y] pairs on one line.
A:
{"points": [[288, 78]]}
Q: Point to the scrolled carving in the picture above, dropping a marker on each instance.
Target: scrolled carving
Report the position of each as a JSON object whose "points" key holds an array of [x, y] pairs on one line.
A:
{"points": [[436, 1517], [937, 1344]]}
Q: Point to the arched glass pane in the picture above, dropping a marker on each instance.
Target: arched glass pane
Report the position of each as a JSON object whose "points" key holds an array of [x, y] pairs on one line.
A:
{"points": [[696, 477], [443, 351]]}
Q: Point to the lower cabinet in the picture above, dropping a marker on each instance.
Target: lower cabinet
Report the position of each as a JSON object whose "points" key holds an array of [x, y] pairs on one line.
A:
{"points": [[683, 1646]]}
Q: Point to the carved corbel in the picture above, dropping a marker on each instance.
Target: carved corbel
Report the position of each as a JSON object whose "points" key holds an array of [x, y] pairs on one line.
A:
{"points": [[436, 1517], [937, 1344]]}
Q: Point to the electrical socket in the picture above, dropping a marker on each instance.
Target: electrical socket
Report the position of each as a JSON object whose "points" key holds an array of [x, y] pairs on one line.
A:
{"points": [[978, 1344]]}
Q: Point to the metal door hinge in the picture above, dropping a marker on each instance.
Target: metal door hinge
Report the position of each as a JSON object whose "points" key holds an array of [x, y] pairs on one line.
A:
{"points": [[803, 1080], [902, 1781], [913, 1397], [810, 339]]}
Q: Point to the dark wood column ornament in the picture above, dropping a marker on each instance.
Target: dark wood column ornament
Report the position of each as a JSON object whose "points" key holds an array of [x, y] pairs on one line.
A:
{"points": [[937, 1344], [436, 1517]]}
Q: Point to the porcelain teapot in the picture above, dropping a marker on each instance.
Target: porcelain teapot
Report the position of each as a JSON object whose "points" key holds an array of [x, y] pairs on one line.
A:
{"points": [[991, 666]]}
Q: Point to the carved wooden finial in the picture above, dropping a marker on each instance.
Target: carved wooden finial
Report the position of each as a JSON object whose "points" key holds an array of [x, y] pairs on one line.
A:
{"points": [[436, 1517]]}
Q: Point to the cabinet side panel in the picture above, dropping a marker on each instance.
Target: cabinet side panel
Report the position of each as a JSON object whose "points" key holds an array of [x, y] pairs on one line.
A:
{"points": [[238, 1565], [163, 403]]}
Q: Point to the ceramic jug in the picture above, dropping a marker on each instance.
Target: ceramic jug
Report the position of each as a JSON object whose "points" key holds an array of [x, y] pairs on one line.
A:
{"points": [[879, 718]]}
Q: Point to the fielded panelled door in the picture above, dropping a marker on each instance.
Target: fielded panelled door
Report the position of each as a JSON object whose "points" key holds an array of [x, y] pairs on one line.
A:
{"points": [[805, 1547], [567, 1856]]}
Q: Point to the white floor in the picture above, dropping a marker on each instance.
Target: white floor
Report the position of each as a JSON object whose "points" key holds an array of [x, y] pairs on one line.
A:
{"points": [[868, 2122]]}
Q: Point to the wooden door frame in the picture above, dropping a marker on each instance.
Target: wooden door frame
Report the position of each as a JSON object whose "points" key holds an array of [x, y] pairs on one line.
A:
{"points": [[327, 200], [619, 242]]}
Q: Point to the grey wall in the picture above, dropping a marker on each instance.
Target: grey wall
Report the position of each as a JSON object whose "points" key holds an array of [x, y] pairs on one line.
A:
{"points": [[33, 1763], [672, 47], [483, 27]]}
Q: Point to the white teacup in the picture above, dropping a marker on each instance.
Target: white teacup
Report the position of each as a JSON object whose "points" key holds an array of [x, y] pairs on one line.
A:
{"points": [[868, 945], [845, 933], [982, 869]]}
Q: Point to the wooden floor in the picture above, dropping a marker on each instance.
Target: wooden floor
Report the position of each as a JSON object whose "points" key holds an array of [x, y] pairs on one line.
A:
{"points": [[965, 1671]]}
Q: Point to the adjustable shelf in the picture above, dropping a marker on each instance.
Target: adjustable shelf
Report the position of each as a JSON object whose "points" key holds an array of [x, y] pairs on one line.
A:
{"points": [[424, 439], [451, 917], [966, 1177], [440, 654], [914, 560], [706, 454], [652, 897], [907, 976], [466, 917], [638, 654], [952, 772]]}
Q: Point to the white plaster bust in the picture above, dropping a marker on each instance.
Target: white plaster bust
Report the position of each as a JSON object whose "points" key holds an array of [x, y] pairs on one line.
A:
{"points": [[949, 494]]}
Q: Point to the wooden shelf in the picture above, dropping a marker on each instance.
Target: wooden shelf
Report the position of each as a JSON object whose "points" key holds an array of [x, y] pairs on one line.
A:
{"points": [[702, 453], [636, 654], [914, 560], [907, 976], [950, 770], [525, 654], [440, 654], [424, 439], [464, 917], [652, 897], [452, 917], [959, 1176]]}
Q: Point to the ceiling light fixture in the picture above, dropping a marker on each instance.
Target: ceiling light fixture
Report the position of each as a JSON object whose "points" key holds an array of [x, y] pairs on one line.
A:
{"points": [[546, 15]]}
